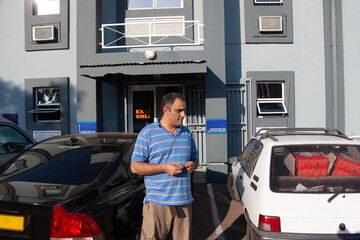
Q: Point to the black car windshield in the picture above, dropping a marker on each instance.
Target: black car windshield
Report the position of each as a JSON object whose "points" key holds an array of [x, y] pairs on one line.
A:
{"points": [[59, 163], [315, 168], [12, 141]]}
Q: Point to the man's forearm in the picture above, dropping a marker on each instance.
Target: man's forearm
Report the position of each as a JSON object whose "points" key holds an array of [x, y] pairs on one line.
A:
{"points": [[151, 169], [147, 168]]}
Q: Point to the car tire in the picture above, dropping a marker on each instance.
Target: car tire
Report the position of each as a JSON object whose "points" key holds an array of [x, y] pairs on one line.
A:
{"points": [[232, 188]]}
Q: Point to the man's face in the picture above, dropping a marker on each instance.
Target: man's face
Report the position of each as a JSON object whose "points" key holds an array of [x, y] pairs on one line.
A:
{"points": [[176, 114]]}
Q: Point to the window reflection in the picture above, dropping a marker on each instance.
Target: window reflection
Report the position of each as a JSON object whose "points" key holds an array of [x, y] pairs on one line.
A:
{"points": [[169, 3], [46, 7], [138, 4], [60, 164], [150, 4], [47, 105]]}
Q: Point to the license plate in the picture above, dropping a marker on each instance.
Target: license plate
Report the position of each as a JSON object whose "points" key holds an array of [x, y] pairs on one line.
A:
{"points": [[12, 223]]}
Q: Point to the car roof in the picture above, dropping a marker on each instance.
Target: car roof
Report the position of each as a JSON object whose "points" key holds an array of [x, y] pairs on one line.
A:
{"points": [[4, 120], [309, 139], [303, 136], [93, 138]]}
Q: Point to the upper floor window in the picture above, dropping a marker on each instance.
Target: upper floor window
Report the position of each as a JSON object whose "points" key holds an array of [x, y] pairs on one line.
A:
{"points": [[154, 4], [46, 7]]}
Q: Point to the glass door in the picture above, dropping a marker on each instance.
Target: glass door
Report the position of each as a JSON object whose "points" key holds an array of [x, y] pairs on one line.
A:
{"points": [[143, 109], [145, 104]]}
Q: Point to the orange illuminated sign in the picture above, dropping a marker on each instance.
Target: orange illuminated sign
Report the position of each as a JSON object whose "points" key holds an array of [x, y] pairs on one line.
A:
{"points": [[142, 113]]}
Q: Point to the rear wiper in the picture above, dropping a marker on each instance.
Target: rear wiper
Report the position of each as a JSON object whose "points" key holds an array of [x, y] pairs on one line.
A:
{"points": [[337, 194]]}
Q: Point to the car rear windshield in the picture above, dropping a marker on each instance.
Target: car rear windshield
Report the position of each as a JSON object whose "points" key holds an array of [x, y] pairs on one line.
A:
{"points": [[315, 168], [60, 164]]}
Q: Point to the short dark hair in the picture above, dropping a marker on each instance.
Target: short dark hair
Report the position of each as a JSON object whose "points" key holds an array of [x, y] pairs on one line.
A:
{"points": [[169, 99]]}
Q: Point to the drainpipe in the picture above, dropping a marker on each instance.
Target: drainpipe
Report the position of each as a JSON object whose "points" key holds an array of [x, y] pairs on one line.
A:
{"points": [[334, 64]]}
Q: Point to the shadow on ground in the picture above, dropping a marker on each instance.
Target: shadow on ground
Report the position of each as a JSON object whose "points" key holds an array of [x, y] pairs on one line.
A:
{"points": [[231, 217]]}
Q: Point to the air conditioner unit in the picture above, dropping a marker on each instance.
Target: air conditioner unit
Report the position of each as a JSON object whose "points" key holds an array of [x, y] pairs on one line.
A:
{"points": [[270, 24], [43, 33]]}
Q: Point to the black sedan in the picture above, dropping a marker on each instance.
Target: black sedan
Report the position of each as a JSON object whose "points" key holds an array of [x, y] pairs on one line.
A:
{"points": [[74, 186]]}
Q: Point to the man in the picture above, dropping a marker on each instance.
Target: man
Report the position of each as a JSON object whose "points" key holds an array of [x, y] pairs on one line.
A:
{"points": [[166, 154]]}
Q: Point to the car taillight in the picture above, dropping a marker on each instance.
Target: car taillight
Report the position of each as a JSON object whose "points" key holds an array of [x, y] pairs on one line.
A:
{"points": [[66, 224], [267, 223]]}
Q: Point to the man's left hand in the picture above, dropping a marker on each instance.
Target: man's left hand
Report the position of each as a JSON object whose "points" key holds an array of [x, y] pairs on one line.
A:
{"points": [[189, 167]]}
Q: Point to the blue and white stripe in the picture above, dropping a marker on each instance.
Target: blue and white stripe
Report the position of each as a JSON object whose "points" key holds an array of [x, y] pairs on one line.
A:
{"points": [[155, 145]]}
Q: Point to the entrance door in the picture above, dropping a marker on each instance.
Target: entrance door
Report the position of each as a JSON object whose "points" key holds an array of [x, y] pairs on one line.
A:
{"points": [[145, 104]]}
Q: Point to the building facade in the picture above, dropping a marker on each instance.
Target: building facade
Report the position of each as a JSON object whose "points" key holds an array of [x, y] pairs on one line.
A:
{"points": [[96, 65]]}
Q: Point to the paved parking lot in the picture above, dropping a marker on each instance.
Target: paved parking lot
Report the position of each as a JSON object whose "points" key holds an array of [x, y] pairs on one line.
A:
{"points": [[215, 215]]}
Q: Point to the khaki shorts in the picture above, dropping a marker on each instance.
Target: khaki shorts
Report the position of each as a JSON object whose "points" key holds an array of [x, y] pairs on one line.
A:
{"points": [[161, 221]]}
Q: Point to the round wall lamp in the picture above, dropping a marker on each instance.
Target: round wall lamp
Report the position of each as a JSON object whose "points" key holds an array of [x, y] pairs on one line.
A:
{"points": [[150, 54]]}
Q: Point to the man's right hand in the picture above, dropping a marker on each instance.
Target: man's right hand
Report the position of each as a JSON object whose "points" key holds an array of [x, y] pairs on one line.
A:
{"points": [[174, 169]]}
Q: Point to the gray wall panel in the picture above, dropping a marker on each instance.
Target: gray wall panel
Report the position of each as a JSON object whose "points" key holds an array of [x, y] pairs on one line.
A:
{"points": [[30, 104]]}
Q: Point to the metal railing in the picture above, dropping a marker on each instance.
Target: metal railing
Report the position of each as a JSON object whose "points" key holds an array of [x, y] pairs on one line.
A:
{"points": [[153, 33], [237, 125], [196, 121]]}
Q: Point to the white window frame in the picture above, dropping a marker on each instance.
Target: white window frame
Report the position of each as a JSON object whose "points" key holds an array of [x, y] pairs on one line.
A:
{"points": [[280, 101], [155, 6], [153, 21]]}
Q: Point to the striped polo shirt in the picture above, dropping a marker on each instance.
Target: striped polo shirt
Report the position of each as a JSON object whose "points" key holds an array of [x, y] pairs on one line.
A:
{"points": [[155, 145]]}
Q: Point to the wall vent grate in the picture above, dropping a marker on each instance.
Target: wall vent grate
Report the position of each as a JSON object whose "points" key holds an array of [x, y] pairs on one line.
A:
{"points": [[43, 33], [270, 24]]}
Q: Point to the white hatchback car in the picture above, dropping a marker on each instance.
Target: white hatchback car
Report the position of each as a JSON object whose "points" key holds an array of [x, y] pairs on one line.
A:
{"points": [[299, 184]]}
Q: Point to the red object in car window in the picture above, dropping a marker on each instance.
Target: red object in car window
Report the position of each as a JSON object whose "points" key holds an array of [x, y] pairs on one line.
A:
{"points": [[311, 166]]}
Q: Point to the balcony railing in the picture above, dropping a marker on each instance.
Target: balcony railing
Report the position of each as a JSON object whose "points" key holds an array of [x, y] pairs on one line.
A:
{"points": [[151, 33]]}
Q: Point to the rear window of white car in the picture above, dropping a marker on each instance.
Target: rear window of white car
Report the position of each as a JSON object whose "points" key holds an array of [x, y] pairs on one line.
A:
{"points": [[315, 168]]}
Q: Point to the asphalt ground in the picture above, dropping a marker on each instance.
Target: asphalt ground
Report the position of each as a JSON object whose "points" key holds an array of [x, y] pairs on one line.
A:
{"points": [[215, 215]]}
